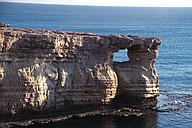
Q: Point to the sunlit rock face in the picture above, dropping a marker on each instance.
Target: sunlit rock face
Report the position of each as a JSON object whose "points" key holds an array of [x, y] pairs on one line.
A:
{"points": [[43, 69]]}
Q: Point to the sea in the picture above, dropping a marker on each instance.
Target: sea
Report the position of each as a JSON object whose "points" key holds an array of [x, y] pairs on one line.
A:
{"points": [[174, 63]]}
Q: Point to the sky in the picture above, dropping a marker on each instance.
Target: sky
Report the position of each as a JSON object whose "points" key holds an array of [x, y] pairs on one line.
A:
{"points": [[137, 3]]}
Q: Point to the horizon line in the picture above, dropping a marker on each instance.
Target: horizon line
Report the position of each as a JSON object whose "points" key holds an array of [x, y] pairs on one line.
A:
{"points": [[19, 2]]}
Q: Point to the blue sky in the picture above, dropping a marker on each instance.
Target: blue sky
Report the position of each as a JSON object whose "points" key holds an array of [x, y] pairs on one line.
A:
{"points": [[145, 3]]}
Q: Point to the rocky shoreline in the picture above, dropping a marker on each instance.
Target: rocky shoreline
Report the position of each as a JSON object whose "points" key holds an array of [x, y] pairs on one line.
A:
{"points": [[177, 102], [51, 119]]}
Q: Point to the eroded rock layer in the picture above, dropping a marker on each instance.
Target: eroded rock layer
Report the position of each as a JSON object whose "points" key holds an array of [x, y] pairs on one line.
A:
{"points": [[42, 69]]}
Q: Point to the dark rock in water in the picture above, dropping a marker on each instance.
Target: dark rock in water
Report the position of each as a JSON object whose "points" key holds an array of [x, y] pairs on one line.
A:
{"points": [[4, 25], [47, 71], [61, 117]]}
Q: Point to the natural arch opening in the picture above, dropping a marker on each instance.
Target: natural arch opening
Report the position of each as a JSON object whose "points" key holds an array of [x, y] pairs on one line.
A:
{"points": [[121, 56]]}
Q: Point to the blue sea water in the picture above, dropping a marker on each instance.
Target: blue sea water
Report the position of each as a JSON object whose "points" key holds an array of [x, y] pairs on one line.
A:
{"points": [[174, 63]]}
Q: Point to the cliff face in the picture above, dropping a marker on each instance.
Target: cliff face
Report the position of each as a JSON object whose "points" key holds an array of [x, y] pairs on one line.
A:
{"points": [[42, 69]]}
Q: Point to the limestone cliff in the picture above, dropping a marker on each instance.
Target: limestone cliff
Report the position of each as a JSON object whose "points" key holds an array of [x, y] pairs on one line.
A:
{"points": [[42, 69]]}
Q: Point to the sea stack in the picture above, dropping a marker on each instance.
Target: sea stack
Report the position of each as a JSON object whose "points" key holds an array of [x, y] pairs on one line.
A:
{"points": [[48, 69]]}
